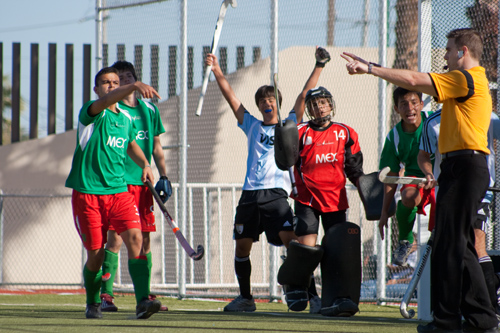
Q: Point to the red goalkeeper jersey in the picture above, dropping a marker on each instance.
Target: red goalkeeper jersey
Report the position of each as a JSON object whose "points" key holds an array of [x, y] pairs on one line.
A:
{"points": [[327, 157]]}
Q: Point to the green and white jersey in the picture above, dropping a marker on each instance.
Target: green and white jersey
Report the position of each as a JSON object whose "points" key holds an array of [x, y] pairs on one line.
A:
{"points": [[98, 165], [147, 123], [401, 149]]}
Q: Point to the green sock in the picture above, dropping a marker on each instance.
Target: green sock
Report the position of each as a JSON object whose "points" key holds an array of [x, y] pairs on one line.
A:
{"points": [[139, 272], [92, 283], [406, 220], [110, 265], [150, 266]]}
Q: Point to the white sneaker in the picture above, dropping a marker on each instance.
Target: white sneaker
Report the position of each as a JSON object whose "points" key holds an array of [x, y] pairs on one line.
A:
{"points": [[315, 304], [240, 304]]}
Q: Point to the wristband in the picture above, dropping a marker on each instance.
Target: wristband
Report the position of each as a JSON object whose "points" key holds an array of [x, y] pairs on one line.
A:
{"points": [[370, 66], [147, 166], [320, 64]]}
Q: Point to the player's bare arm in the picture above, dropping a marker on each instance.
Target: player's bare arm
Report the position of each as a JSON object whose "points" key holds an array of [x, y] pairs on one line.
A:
{"points": [[137, 155], [159, 156], [322, 57], [425, 164], [110, 96], [225, 88], [389, 192], [411, 80]]}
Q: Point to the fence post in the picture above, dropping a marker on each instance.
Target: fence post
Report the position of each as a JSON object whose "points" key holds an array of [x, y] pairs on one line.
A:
{"points": [[69, 87], [51, 107], [16, 93], [34, 92]]}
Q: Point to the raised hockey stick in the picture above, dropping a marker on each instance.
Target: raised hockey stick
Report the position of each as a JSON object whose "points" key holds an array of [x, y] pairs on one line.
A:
{"points": [[200, 251], [215, 41], [384, 178], [280, 123], [403, 308]]}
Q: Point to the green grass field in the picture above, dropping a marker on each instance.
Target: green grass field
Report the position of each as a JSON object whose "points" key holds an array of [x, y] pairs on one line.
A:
{"points": [[65, 313]]}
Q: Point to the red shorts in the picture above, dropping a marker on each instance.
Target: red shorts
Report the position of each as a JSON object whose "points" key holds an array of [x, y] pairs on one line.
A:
{"points": [[144, 203], [427, 197], [94, 214]]}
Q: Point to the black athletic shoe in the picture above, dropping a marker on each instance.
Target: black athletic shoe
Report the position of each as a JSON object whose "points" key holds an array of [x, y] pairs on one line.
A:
{"points": [[147, 307], [431, 327], [342, 307], [93, 311]]}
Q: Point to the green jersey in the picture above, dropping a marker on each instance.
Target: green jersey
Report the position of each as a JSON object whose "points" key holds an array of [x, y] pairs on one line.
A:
{"points": [[147, 122], [98, 165], [401, 149]]}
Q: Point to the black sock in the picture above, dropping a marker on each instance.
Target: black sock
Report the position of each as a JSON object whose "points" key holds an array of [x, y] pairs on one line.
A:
{"points": [[312, 288], [243, 270], [490, 278]]}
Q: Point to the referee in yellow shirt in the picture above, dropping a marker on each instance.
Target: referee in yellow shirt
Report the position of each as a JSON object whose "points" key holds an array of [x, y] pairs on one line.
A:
{"points": [[457, 282]]}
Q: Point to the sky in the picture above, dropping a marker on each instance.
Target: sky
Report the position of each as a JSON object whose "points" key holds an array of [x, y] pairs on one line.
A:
{"points": [[73, 21]]}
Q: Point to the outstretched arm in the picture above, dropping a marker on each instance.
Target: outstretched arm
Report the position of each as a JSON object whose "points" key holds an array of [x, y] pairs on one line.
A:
{"points": [[120, 93], [225, 88], [322, 57], [411, 80]]}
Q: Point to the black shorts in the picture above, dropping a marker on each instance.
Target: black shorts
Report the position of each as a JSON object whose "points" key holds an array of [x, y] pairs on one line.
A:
{"points": [[307, 219], [482, 218], [263, 211]]}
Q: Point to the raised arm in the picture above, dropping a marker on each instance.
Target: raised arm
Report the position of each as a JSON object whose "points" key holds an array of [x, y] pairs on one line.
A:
{"points": [[322, 57], [225, 88], [411, 80], [120, 93]]}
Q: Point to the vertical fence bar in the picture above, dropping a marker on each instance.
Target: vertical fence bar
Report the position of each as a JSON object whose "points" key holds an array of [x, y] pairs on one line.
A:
{"points": [[34, 91], [87, 73], [1, 89], [240, 57], [191, 237], [16, 93], [51, 107], [172, 70], [223, 59], [69, 86], [120, 52], [155, 68], [138, 61], [190, 74]]}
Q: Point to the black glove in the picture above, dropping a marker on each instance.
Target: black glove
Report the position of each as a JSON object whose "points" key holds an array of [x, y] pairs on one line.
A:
{"points": [[322, 57], [164, 188]]}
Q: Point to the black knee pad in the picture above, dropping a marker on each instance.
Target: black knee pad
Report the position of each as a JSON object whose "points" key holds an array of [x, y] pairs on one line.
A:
{"points": [[296, 297], [341, 266], [301, 260], [371, 193]]}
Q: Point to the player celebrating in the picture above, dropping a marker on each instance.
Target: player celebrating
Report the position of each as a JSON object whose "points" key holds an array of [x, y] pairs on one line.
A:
{"points": [[401, 148], [147, 121], [263, 204], [100, 198], [329, 153]]}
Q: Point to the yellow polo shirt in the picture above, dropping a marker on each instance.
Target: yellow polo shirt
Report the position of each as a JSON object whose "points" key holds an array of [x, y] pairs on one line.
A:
{"points": [[467, 107]]}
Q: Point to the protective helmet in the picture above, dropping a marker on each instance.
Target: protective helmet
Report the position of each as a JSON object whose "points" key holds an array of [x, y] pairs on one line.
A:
{"points": [[311, 97]]}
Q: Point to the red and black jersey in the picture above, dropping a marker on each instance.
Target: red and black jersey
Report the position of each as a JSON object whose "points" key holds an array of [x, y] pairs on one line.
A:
{"points": [[327, 157]]}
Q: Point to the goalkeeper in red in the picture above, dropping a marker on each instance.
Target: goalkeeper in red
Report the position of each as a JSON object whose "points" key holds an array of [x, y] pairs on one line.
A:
{"points": [[105, 136], [400, 150]]}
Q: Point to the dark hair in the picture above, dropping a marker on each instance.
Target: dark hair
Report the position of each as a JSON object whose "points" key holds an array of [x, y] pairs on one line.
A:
{"points": [[266, 91], [105, 70], [125, 66], [470, 38], [401, 92]]}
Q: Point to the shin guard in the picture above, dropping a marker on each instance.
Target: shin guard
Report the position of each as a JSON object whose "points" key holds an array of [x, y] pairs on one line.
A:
{"points": [[295, 273], [341, 270]]}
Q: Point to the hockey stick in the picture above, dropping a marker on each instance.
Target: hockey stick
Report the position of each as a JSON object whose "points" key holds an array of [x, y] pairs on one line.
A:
{"points": [[189, 250], [290, 169], [415, 279], [215, 41], [384, 178]]}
